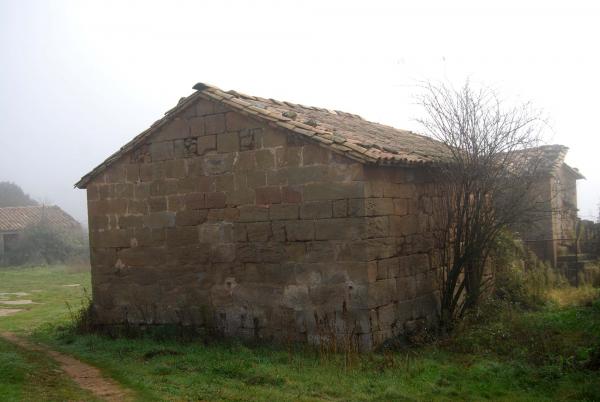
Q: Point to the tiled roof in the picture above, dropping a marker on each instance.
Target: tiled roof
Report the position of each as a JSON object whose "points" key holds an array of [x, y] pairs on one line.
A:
{"points": [[344, 133], [18, 218], [550, 158]]}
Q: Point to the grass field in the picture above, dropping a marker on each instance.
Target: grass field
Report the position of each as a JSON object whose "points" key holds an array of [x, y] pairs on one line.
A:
{"points": [[516, 356]]}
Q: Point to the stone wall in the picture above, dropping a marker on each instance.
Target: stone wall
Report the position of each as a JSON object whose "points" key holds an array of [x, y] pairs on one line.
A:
{"points": [[223, 221]]}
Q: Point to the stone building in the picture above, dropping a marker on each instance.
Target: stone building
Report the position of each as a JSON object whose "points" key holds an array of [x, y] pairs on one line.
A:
{"points": [[552, 235], [265, 219], [14, 220]]}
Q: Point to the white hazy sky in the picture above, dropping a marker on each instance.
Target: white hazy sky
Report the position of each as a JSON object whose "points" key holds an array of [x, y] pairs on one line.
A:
{"points": [[78, 79]]}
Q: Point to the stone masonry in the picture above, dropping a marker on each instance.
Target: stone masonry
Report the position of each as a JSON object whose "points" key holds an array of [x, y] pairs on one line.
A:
{"points": [[222, 220]]}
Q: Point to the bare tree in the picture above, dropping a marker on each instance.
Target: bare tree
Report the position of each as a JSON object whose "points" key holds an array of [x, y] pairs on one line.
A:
{"points": [[486, 182]]}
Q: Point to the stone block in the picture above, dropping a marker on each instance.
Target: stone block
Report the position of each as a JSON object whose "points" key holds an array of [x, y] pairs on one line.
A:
{"points": [[204, 107], [103, 257], [146, 172], [300, 230], [176, 129], [320, 251], [241, 196], [157, 204], [235, 121], [117, 238], [256, 179], [288, 157], [137, 207], [388, 268], [406, 190], [268, 195], [98, 222], [329, 297], [400, 206], [273, 138], [376, 227], [191, 217], [175, 202], [283, 212], [161, 151], [251, 213], [245, 161], [294, 251], [224, 252], [404, 225], [130, 221], [182, 236], [215, 232], [359, 272], [185, 258], [215, 200], [175, 169], [332, 191], [205, 144], [291, 194], [340, 208], [265, 159], [141, 256], [413, 264], [258, 231], [406, 288], [277, 177], [381, 293], [218, 164], [163, 187], [214, 124], [225, 183], [115, 174], [306, 174], [228, 142], [278, 230], [194, 201], [149, 237], [187, 185], [316, 210], [196, 126], [92, 192], [162, 219], [106, 191], [248, 138], [132, 173], [339, 228], [315, 155]]}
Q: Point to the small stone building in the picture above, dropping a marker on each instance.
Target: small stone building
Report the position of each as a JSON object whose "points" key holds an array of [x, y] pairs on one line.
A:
{"points": [[267, 219], [552, 235], [14, 220]]}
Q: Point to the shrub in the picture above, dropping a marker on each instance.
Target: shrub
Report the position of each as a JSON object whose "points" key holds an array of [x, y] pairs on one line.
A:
{"points": [[42, 244], [520, 278]]}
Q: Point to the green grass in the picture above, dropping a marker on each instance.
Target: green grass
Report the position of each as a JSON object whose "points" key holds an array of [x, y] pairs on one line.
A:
{"points": [[534, 356], [31, 376], [45, 287]]}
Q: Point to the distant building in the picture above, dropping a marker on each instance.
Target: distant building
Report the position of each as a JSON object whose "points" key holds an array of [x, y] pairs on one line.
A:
{"points": [[553, 234], [14, 220]]}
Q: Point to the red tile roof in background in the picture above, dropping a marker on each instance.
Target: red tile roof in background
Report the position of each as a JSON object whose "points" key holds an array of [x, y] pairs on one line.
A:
{"points": [[18, 218]]}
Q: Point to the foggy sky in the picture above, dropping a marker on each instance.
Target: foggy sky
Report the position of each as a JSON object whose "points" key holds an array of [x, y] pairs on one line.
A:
{"points": [[80, 79]]}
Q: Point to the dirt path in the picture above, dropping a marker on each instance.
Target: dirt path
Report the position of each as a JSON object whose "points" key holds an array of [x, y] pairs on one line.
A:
{"points": [[86, 376]]}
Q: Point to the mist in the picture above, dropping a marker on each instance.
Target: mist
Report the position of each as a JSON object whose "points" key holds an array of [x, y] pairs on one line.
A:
{"points": [[80, 79]]}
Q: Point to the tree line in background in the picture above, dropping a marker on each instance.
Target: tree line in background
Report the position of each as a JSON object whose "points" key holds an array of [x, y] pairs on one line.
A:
{"points": [[41, 243], [11, 195]]}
